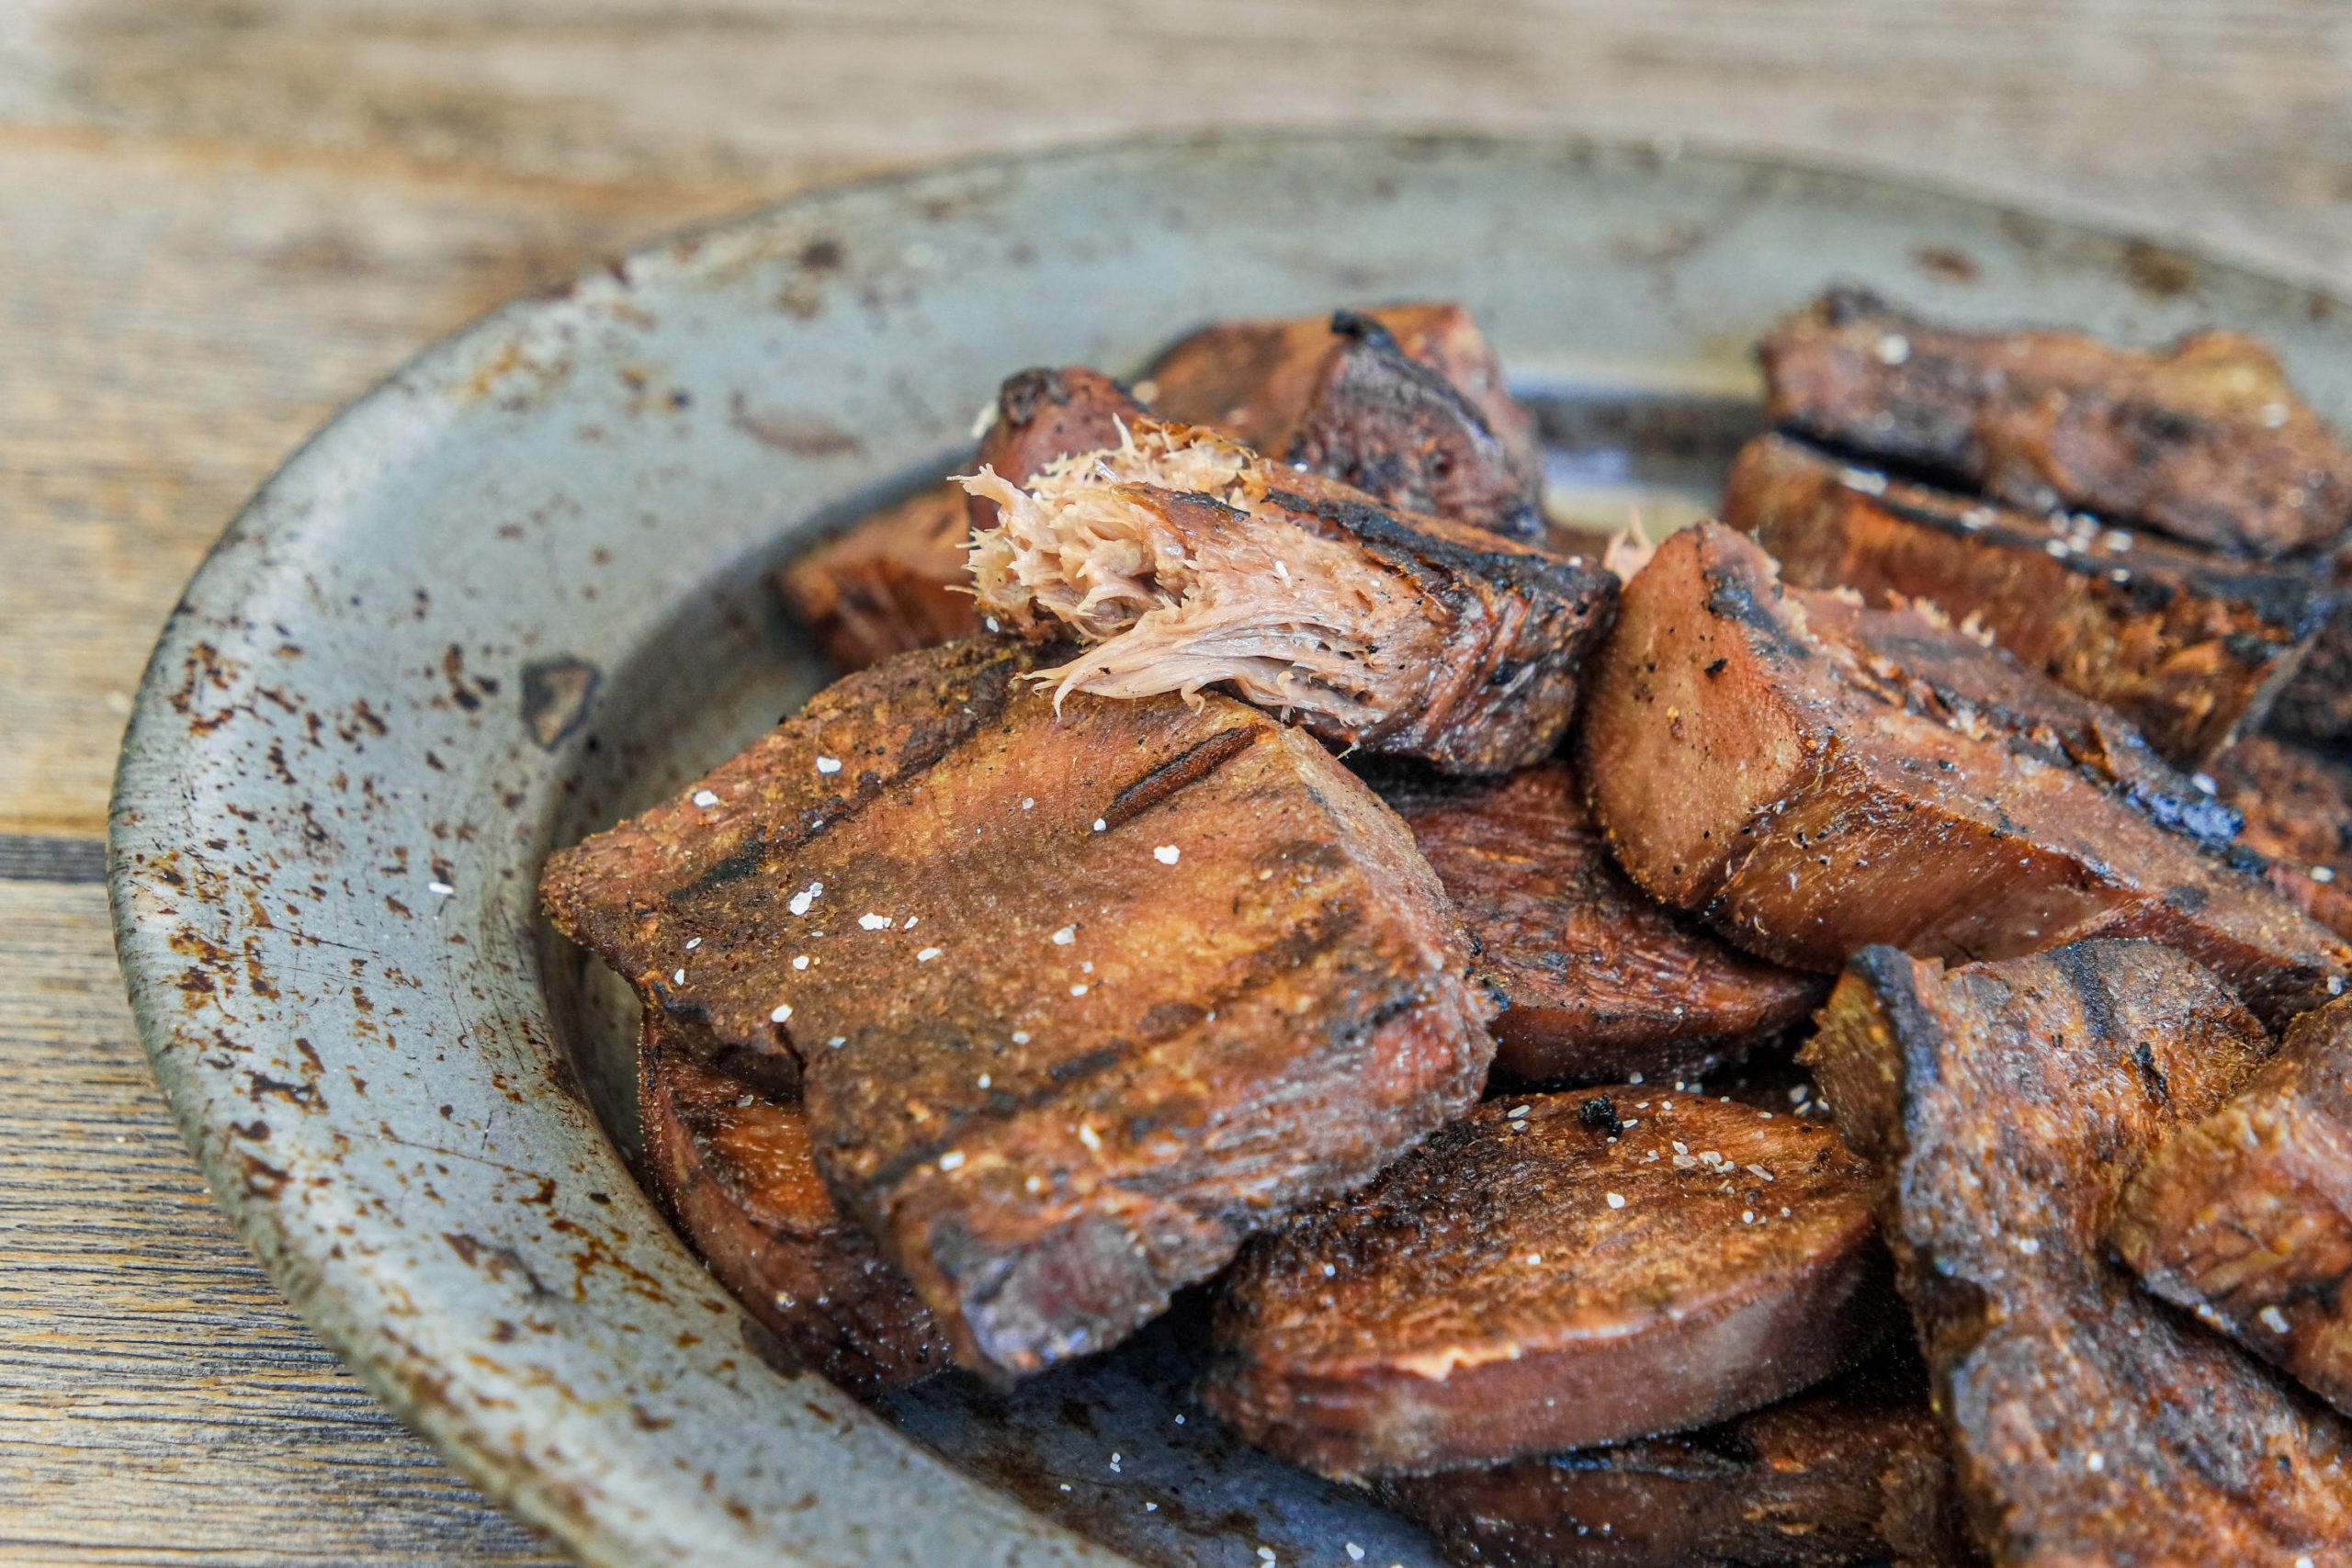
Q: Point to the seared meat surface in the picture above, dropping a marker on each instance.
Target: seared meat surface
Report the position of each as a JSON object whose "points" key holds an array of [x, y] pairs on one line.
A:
{"points": [[1550, 1273], [1081, 1000], [735, 1168], [1772, 758], [2245, 1217], [2205, 441], [1603, 982], [1849, 1473], [2190, 647], [1042, 416], [2297, 805], [1407, 403], [1184, 560], [2004, 1104], [890, 584]]}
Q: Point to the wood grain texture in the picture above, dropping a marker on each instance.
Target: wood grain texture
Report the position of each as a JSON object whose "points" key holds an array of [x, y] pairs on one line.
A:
{"points": [[222, 219]]}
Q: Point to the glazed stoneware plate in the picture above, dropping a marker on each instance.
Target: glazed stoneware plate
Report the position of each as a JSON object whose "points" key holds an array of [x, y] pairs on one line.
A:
{"points": [[519, 590]]}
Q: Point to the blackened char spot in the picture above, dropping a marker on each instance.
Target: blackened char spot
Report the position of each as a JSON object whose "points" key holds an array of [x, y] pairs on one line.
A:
{"points": [[1180, 772], [1599, 1114], [1732, 598], [1405, 545], [744, 861], [2082, 972], [2187, 899], [1026, 392], [2152, 1076]]}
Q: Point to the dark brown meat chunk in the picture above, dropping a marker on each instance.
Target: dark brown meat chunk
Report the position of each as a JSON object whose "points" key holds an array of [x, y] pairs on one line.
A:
{"points": [[2317, 703], [1600, 1266], [1762, 755], [738, 1173], [2190, 647], [1850, 1472], [2004, 1104], [1042, 416], [894, 583], [1604, 983], [1082, 1001], [1186, 560], [2245, 1217], [2205, 441], [1281, 386], [2297, 807]]}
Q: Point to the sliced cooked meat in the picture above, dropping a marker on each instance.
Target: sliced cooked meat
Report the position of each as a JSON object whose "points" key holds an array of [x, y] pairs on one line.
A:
{"points": [[2205, 441], [2190, 647], [1042, 416], [2004, 1104], [1761, 755], [2245, 1217], [2297, 805], [1186, 560], [1551, 1273], [890, 584], [1263, 381], [1602, 982], [1082, 1001], [735, 1167], [1852, 1472]]}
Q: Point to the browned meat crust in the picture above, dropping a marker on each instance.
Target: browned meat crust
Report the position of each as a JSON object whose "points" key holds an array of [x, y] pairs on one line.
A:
{"points": [[2317, 703], [1604, 983], [894, 583], [2245, 1218], [1268, 383], [1764, 756], [1852, 1472], [737, 1171], [2004, 1104], [1080, 1001], [2298, 810], [1042, 416], [2190, 647], [2205, 441], [1596, 1268], [1186, 560]]}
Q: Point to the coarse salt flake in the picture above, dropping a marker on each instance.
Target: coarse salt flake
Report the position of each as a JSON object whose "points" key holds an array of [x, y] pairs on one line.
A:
{"points": [[1020, 1037], [806, 897], [951, 1160], [1078, 990], [928, 954], [1089, 1136], [1102, 826], [2094, 1462], [677, 977], [1165, 855], [439, 889], [2274, 1320], [782, 1014], [829, 764], [1616, 1200], [800, 961], [1028, 805], [706, 798], [1065, 936], [1893, 348], [874, 922], [1355, 1552]]}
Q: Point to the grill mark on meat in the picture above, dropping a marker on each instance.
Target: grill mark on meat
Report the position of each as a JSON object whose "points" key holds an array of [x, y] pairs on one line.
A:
{"points": [[2088, 1424], [1174, 775]]}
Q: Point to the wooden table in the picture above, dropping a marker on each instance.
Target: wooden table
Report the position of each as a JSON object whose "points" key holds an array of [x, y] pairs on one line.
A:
{"points": [[222, 219]]}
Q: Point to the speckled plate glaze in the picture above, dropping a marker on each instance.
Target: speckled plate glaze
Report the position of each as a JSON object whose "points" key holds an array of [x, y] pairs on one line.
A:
{"points": [[517, 590]]}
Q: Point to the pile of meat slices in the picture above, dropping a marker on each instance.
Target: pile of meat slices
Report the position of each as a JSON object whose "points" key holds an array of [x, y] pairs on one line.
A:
{"points": [[1831, 1049]]}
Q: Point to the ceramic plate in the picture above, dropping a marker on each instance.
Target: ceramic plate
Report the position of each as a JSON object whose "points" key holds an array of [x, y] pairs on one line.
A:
{"points": [[519, 591]]}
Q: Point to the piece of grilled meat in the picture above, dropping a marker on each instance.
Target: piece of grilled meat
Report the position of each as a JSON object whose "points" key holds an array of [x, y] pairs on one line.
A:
{"points": [[2317, 703], [1081, 1001], [1044, 415], [1775, 759], [1603, 982], [2245, 1217], [890, 584], [2190, 647], [2205, 441], [2004, 1104], [736, 1169], [1852, 1472], [2297, 807], [1549, 1273], [1406, 403], [1186, 560]]}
